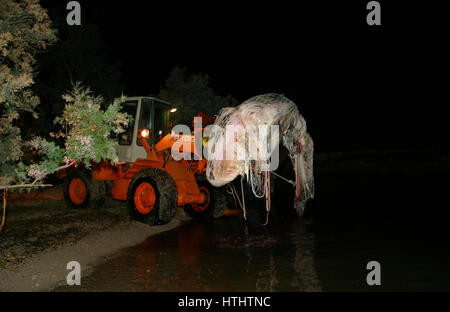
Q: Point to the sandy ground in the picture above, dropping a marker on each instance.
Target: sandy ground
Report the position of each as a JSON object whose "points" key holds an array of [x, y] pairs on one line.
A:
{"points": [[42, 235]]}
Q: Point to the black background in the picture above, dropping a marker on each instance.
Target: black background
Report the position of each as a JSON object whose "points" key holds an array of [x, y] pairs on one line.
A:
{"points": [[358, 86]]}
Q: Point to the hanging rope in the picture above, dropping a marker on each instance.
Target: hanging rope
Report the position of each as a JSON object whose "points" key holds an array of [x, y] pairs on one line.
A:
{"points": [[255, 178], [287, 180], [4, 211], [267, 190], [232, 190], [243, 198]]}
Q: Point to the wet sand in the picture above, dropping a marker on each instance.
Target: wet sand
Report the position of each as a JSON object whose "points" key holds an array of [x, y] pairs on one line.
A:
{"points": [[42, 235]]}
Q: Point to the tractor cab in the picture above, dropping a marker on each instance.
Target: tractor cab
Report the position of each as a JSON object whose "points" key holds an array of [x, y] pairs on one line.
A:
{"points": [[146, 113]]}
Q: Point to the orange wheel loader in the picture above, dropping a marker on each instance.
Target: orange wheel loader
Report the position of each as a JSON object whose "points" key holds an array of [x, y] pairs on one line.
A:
{"points": [[146, 175]]}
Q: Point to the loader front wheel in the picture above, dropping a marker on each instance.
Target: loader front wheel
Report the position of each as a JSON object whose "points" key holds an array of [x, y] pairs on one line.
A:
{"points": [[152, 196]]}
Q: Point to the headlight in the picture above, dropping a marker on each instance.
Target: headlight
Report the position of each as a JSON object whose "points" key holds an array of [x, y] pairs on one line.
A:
{"points": [[145, 133]]}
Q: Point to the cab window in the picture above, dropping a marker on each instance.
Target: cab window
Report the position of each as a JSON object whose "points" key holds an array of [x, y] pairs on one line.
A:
{"points": [[145, 118], [125, 138]]}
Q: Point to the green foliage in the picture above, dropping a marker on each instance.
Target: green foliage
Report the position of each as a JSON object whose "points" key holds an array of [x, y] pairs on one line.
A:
{"points": [[86, 126], [52, 157], [192, 94], [24, 31]]}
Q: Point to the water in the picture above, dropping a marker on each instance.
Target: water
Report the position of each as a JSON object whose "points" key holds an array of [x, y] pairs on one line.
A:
{"points": [[396, 220]]}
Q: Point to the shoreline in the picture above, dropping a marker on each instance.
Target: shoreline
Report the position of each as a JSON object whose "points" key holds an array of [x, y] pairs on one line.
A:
{"points": [[46, 270], [42, 235]]}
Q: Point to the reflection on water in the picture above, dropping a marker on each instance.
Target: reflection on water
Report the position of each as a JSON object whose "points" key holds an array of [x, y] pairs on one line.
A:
{"points": [[219, 256], [355, 220]]}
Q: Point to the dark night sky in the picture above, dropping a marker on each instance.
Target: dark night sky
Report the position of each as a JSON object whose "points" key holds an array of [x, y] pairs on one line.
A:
{"points": [[359, 87]]}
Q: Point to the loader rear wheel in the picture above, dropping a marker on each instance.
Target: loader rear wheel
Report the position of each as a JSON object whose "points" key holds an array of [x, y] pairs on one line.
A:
{"points": [[213, 207], [77, 191], [201, 207], [81, 191], [200, 210], [152, 196]]}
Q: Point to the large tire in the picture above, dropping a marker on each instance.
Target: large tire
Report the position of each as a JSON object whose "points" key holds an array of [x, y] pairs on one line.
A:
{"points": [[81, 191], [152, 196], [214, 206]]}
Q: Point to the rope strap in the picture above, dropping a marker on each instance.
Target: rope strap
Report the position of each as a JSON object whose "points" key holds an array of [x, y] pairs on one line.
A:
{"points": [[287, 180]]}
